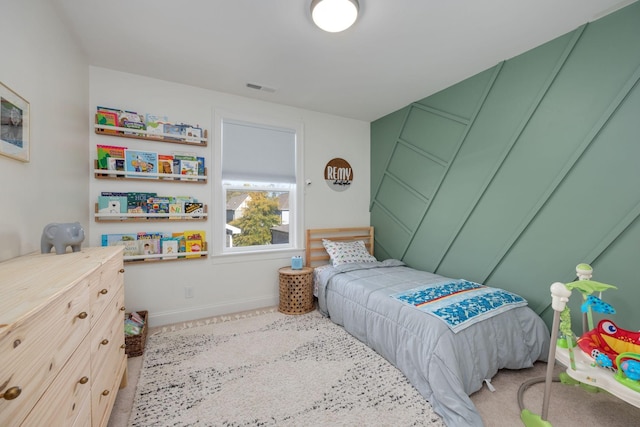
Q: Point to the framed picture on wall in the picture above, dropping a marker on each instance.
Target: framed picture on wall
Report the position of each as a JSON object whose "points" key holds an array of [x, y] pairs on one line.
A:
{"points": [[14, 125]]}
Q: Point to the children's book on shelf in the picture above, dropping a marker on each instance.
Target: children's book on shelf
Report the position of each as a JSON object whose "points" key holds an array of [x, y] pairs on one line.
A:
{"points": [[116, 164], [193, 134], [155, 125], [193, 246], [112, 239], [132, 246], [131, 120], [194, 208], [107, 117], [108, 109], [176, 205], [108, 155], [183, 199], [201, 166], [177, 209], [151, 242], [179, 237], [188, 166], [194, 241], [137, 202], [165, 165], [112, 204], [158, 205], [141, 161], [174, 132], [176, 166], [170, 246]]}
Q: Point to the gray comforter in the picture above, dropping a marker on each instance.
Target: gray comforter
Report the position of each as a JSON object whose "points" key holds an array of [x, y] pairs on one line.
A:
{"points": [[445, 367]]}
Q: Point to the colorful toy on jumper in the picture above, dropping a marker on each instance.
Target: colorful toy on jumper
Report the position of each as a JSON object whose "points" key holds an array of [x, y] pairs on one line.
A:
{"points": [[628, 373], [608, 357], [605, 342], [591, 303]]}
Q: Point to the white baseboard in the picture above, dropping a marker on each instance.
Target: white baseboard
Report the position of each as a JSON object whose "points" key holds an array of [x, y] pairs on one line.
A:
{"points": [[202, 312]]}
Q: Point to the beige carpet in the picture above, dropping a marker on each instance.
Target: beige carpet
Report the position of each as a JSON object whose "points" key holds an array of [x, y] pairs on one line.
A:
{"points": [[570, 406]]}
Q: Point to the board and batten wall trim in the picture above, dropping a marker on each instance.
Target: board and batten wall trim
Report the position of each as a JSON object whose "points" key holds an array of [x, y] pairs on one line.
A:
{"points": [[515, 175]]}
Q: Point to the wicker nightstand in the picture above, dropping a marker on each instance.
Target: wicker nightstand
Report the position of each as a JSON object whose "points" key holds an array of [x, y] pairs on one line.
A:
{"points": [[296, 290]]}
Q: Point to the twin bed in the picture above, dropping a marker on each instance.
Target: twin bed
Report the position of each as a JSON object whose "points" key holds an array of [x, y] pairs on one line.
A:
{"points": [[446, 335]]}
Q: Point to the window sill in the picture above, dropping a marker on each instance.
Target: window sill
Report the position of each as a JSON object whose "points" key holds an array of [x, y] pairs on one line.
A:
{"points": [[235, 257]]}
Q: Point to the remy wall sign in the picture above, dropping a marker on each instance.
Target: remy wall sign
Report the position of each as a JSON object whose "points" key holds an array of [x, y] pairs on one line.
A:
{"points": [[338, 174]]}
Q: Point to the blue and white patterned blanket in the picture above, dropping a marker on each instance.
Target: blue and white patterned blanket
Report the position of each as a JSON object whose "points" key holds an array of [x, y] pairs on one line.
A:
{"points": [[460, 303]]}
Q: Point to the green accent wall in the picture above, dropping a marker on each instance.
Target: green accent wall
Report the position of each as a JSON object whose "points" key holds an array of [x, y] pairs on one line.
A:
{"points": [[514, 176]]}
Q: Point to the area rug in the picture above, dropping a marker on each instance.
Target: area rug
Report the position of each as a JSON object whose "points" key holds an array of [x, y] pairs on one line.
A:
{"points": [[271, 369]]}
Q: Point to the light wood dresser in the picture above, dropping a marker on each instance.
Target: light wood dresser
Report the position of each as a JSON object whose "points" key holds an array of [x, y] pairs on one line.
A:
{"points": [[62, 355]]}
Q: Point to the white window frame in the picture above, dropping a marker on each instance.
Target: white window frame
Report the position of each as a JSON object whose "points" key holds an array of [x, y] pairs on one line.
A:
{"points": [[296, 190]]}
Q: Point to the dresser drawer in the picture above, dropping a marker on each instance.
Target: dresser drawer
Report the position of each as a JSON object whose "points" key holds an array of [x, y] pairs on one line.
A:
{"points": [[105, 387], [105, 283], [68, 396], [84, 414], [107, 336], [108, 358], [34, 349]]}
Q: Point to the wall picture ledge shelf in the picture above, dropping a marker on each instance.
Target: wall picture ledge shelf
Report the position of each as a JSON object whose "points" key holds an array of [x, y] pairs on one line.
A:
{"points": [[182, 256], [128, 164], [149, 217], [148, 176], [146, 136]]}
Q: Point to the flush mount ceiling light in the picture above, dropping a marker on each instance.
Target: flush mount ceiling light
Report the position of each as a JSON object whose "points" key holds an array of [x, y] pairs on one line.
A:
{"points": [[334, 15]]}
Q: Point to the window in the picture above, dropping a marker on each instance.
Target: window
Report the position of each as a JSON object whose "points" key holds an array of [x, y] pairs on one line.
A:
{"points": [[259, 191]]}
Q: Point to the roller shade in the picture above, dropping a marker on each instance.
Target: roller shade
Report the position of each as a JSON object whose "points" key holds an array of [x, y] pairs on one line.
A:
{"points": [[255, 153]]}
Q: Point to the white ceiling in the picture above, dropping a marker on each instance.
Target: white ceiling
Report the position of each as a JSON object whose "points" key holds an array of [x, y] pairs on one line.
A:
{"points": [[397, 52]]}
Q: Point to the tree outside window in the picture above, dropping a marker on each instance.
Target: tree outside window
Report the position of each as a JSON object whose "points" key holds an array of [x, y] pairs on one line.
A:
{"points": [[257, 219]]}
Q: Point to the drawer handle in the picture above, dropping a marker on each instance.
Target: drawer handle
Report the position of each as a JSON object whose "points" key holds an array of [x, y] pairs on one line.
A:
{"points": [[122, 308], [11, 393], [105, 393], [84, 380], [123, 346], [104, 291], [82, 315], [122, 270], [104, 341]]}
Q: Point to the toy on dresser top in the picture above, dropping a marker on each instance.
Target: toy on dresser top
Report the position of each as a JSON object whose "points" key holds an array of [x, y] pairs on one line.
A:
{"points": [[60, 235]]}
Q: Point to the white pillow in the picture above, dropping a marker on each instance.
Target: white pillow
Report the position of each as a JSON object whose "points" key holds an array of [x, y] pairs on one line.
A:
{"points": [[347, 252]]}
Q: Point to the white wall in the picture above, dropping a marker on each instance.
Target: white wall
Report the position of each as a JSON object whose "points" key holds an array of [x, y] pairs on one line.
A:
{"points": [[48, 69], [43, 64], [230, 284]]}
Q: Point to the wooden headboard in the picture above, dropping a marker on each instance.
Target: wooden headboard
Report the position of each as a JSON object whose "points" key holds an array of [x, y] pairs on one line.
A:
{"points": [[315, 252]]}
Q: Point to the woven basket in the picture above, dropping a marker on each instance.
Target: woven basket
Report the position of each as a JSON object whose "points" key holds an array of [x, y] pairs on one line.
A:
{"points": [[134, 344]]}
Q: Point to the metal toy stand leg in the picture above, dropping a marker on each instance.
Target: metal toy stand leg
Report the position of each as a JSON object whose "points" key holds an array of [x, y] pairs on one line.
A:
{"points": [[560, 296]]}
